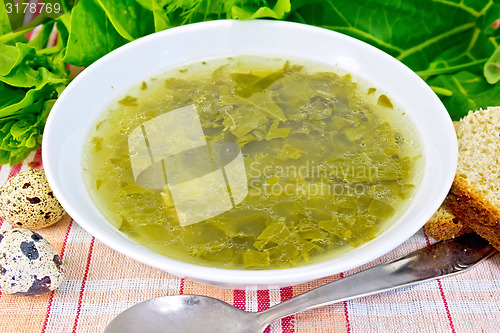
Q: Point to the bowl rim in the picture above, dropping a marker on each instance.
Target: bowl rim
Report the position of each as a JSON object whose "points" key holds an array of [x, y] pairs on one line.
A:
{"points": [[55, 166]]}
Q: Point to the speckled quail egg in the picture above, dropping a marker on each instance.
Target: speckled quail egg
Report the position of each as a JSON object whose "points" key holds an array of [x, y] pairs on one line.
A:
{"points": [[26, 200], [29, 265]]}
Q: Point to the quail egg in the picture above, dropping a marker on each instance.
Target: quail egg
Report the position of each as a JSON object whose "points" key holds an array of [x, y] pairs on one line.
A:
{"points": [[29, 265], [26, 200]]}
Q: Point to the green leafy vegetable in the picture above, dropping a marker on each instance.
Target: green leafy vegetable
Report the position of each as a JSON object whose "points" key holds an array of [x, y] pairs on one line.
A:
{"points": [[289, 152], [275, 132], [470, 91], [91, 34], [4, 21], [445, 42], [130, 18], [277, 12], [252, 258], [31, 78]]}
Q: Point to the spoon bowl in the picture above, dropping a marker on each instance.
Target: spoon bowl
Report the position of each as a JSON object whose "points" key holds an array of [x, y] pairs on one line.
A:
{"points": [[185, 313]]}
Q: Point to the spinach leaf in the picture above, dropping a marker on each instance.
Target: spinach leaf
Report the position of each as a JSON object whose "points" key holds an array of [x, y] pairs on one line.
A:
{"points": [[277, 12], [4, 20], [161, 20], [130, 18], [437, 39], [91, 34], [470, 91]]}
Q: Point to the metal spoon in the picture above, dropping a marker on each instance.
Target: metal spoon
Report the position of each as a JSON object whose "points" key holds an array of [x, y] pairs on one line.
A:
{"points": [[194, 313]]}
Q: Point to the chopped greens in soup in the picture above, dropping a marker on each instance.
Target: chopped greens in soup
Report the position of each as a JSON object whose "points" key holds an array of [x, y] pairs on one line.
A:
{"points": [[252, 162]]}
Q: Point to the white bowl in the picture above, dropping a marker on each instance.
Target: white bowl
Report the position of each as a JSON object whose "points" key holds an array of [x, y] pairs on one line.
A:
{"points": [[85, 98]]}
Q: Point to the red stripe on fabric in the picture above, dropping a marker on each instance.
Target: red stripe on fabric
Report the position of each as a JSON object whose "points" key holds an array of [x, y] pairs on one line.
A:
{"points": [[37, 160], [448, 313], [181, 287], [263, 303], [346, 312], [82, 289], [287, 322], [443, 297], [45, 322], [263, 300], [15, 169], [427, 241], [240, 299], [286, 293]]}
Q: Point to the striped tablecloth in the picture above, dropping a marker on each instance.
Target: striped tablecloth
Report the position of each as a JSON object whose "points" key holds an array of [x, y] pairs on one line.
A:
{"points": [[100, 283]]}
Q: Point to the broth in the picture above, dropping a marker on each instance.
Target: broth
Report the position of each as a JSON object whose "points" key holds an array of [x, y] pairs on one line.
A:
{"points": [[252, 163]]}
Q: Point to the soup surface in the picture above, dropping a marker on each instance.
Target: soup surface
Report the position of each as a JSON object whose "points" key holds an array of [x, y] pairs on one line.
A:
{"points": [[252, 162]]}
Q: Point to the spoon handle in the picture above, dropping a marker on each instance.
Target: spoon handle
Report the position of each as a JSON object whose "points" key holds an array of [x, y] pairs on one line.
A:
{"points": [[434, 261]]}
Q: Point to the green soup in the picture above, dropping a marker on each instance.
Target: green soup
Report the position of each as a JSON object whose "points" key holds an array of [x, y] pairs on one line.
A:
{"points": [[252, 162]]}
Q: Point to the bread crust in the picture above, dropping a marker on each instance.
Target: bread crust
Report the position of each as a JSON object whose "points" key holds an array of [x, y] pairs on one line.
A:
{"points": [[474, 210], [444, 229]]}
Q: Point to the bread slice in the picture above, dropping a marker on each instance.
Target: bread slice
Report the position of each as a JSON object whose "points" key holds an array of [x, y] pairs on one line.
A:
{"points": [[445, 225], [474, 199]]}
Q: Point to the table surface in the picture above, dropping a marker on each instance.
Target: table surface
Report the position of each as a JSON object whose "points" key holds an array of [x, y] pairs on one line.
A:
{"points": [[100, 283]]}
